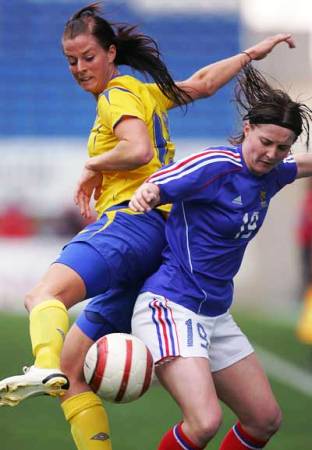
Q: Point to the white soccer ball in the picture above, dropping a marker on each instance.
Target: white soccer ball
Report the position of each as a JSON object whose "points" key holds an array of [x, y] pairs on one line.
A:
{"points": [[119, 367]]}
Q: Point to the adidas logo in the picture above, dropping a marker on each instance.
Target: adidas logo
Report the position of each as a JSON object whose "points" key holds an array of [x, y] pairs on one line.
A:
{"points": [[237, 200]]}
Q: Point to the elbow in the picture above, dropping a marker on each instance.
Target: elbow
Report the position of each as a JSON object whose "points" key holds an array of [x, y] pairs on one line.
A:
{"points": [[144, 156], [209, 88], [205, 88]]}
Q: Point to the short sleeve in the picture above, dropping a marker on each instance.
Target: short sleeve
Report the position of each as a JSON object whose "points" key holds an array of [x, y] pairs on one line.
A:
{"points": [[118, 102], [286, 171], [164, 102]]}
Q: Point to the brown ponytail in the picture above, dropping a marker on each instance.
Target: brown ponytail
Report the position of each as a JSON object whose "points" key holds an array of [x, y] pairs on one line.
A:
{"points": [[134, 49]]}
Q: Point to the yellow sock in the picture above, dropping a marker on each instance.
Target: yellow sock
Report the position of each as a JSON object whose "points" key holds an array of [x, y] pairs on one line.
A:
{"points": [[89, 423], [304, 327], [48, 326]]}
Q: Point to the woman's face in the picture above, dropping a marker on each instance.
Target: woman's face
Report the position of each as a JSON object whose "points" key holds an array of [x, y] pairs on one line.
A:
{"points": [[91, 65], [265, 146]]}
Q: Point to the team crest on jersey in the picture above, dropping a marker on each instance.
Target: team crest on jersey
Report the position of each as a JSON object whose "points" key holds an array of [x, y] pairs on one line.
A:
{"points": [[263, 200]]}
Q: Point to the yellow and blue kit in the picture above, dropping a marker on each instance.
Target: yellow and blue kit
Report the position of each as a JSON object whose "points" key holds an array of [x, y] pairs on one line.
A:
{"points": [[127, 96], [117, 252]]}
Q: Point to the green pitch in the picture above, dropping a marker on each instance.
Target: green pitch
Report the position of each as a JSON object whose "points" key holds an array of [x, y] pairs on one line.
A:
{"points": [[38, 423]]}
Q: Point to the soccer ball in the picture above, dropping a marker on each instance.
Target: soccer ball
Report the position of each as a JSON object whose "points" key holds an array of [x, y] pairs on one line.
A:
{"points": [[119, 367]]}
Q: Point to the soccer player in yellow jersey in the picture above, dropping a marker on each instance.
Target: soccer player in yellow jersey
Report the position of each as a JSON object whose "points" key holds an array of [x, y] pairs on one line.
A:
{"points": [[110, 258]]}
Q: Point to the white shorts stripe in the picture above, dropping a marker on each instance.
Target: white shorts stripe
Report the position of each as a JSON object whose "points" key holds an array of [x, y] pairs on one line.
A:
{"points": [[170, 330], [165, 328]]}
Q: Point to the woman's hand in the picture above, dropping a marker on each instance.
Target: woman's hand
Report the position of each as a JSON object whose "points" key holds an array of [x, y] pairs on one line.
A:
{"points": [[89, 184], [145, 198], [263, 48]]}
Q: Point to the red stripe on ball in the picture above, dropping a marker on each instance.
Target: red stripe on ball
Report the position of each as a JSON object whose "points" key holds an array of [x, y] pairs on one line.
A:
{"points": [[98, 374], [148, 371], [126, 372]]}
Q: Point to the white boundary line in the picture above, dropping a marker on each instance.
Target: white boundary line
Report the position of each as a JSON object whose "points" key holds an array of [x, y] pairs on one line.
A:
{"points": [[284, 371]]}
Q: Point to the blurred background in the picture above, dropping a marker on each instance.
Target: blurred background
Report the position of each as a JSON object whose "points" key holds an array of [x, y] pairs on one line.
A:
{"points": [[45, 120]]}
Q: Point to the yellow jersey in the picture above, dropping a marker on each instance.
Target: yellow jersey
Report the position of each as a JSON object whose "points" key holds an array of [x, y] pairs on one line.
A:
{"points": [[127, 96]]}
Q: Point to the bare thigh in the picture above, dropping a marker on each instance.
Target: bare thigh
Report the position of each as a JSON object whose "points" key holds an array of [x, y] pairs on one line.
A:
{"points": [[190, 383], [73, 354], [245, 388], [59, 282]]}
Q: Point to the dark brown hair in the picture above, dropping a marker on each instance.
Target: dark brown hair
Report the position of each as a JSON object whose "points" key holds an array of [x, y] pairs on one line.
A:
{"points": [[260, 103], [133, 49]]}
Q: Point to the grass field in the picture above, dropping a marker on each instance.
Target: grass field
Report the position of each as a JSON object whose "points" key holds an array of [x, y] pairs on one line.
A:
{"points": [[39, 423]]}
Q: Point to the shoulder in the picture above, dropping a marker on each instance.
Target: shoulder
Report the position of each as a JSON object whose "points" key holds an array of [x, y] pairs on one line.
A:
{"points": [[125, 83], [161, 99], [221, 156], [287, 164], [286, 172], [121, 86], [212, 162]]}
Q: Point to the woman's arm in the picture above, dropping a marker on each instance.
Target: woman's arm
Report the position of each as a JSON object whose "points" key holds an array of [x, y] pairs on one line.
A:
{"points": [[133, 150], [304, 165], [209, 79]]}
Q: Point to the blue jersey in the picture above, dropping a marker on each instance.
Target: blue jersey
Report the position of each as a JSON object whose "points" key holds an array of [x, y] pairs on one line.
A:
{"points": [[219, 206]]}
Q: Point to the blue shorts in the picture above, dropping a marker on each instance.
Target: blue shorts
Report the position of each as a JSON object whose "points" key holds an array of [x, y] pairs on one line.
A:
{"points": [[108, 313], [113, 256], [119, 249]]}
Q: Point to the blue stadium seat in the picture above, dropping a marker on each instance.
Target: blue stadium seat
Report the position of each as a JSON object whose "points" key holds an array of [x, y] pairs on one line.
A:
{"points": [[38, 94]]}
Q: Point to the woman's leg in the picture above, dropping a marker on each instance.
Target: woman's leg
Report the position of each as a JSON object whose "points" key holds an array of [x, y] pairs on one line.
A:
{"points": [[107, 313], [245, 388], [96, 260], [190, 383], [60, 282], [175, 333], [242, 384], [82, 408], [79, 272], [60, 288]]}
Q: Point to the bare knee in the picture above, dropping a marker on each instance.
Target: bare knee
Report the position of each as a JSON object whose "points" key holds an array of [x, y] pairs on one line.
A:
{"points": [[204, 426], [206, 429], [272, 422], [60, 282], [265, 424]]}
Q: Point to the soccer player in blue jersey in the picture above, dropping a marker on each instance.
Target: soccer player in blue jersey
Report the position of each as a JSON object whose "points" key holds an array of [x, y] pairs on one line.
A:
{"points": [[220, 199], [110, 258]]}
